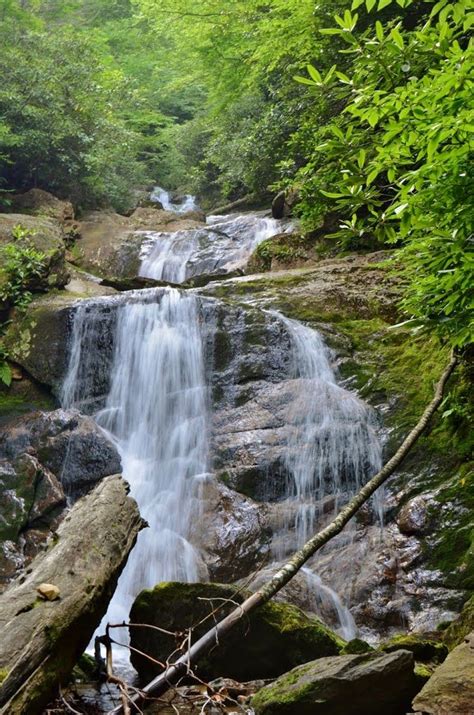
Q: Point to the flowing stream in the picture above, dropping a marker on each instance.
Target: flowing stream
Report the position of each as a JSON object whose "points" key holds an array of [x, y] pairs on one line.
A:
{"points": [[149, 394]]}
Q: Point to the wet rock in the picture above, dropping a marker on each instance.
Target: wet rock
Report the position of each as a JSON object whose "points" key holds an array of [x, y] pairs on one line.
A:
{"points": [[231, 532], [44, 235], [66, 442], [42, 640], [274, 638], [450, 690], [41, 203], [367, 684], [32, 502], [414, 516]]}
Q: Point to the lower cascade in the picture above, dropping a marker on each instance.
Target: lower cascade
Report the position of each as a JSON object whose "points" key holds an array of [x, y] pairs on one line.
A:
{"points": [[156, 413], [138, 364]]}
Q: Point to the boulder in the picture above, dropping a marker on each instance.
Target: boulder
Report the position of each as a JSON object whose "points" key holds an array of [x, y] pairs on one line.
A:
{"points": [[67, 443], [450, 690], [284, 203], [274, 638], [414, 516], [424, 649], [366, 684], [231, 533], [461, 626], [42, 639], [44, 235], [41, 203]]}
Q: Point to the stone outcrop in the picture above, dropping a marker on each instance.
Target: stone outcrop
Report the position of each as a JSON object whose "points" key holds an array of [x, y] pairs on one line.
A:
{"points": [[273, 638], [41, 203], [367, 684], [450, 690], [231, 532], [41, 639], [44, 458], [461, 626], [67, 443]]}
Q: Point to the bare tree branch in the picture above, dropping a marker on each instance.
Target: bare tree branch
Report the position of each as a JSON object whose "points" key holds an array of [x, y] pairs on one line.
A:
{"points": [[209, 640]]}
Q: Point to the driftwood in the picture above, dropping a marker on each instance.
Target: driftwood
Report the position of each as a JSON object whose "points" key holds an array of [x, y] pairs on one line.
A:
{"points": [[41, 640], [211, 639]]}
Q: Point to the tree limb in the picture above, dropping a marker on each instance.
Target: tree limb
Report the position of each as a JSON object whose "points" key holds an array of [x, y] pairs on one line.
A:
{"points": [[209, 640]]}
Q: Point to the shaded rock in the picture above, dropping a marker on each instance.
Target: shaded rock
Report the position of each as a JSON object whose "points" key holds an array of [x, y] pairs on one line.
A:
{"points": [[41, 203], [68, 443], [284, 203], [42, 640], [461, 626], [45, 235], [450, 690], [275, 637], [32, 503], [424, 649], [231, 532], [368, 684]]}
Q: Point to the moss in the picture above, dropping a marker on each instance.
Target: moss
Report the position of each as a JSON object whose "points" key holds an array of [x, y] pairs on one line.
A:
{"points": [[424, 649], [356, 646], [461, 627], [3, 674], [423, 673], [276, 637]]}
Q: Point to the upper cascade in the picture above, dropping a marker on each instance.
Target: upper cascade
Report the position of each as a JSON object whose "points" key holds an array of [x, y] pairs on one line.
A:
{"points": [[181, 205]]}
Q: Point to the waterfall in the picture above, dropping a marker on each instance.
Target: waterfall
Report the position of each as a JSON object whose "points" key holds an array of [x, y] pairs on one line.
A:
{"points": [[225, 244], [161, 195], [156, 413], [332, 446]]}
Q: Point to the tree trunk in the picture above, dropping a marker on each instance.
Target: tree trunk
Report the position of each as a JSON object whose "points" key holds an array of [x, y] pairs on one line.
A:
{"points": [[42, 640], [211, 639]]}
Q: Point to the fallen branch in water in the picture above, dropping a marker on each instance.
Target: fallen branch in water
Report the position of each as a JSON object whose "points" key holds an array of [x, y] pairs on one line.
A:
{"points": [[175, 671]]}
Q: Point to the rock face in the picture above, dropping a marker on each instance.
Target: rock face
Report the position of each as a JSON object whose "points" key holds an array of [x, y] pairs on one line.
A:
{"points": [[44, 457], [450, 690], [274, 638], [41, 203], [368, 684], [461, 626], [46, 236], [67, 443], [41, 639], [231, 533]]}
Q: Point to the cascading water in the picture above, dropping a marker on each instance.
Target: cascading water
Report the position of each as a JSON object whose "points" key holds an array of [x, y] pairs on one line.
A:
{"points": [[224, 245], [332, 445], [188, 203], [332, 449], [156, 413]]}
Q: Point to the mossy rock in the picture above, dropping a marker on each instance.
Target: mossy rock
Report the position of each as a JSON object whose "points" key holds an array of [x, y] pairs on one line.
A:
{"points": [[461, 627], [275, 638], [357, 646], [424, 649], [367, 684]]}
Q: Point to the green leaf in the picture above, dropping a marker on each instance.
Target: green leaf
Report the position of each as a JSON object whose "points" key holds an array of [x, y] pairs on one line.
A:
{"points": [[361, 158], [383, 3], [331, 194], [343, 77], [370, 4], [379, 31], [397, 38], [356, 4], [304, 80], [5, 374], [314, 74]]}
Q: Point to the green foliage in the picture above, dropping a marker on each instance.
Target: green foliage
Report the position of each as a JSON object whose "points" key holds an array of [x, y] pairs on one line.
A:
{"points": [[21, 264], [395, 164]]}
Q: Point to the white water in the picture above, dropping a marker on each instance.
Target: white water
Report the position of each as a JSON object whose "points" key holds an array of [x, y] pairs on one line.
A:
{"points": [[224, 245], [156, 413], [324, 594], [161, 195], [333, 447]]}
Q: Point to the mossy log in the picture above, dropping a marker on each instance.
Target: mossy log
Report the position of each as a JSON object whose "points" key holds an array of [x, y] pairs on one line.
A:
{"points": [[42, 639]]}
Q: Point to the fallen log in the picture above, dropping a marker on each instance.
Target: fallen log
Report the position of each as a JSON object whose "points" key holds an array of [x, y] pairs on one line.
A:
{"points": [[175, 671], [41, 639], [233, 205]]}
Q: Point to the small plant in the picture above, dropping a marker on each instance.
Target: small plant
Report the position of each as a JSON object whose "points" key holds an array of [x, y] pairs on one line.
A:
{"points": [[5, 370], [21, 264]]}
